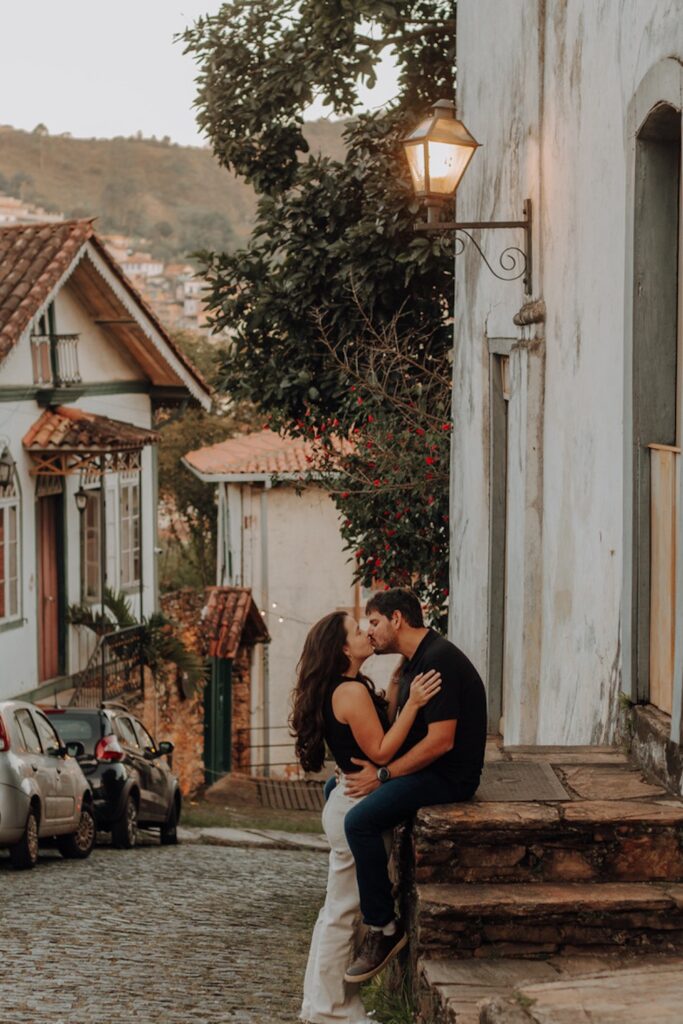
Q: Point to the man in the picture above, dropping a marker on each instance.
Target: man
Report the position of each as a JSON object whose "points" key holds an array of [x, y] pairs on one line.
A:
{"points": [[439, 763]]}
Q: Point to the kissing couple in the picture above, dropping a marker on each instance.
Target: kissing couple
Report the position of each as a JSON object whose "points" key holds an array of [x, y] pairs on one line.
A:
{"points": [[422, 744]]}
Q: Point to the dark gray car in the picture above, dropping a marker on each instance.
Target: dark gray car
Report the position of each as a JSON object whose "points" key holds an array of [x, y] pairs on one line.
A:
{"points": [[43, 792]]}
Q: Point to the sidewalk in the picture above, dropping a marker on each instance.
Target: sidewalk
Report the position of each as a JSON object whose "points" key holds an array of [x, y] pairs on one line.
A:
{"points": [[265, 839]]}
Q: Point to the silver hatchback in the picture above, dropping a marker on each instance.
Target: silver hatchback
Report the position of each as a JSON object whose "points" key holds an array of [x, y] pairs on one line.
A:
{"points": [[43, 792]]}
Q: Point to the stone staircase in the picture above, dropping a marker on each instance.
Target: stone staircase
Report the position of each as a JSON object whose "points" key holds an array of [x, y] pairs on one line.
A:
{"points": [[505, 893]]}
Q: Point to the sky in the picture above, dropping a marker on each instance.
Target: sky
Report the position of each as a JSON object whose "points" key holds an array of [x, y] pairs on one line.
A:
{"points": [[98, 69]]}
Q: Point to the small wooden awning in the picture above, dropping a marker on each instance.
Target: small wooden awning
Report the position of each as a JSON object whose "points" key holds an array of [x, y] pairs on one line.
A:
{"points": [[232, 620], [67, 440]]}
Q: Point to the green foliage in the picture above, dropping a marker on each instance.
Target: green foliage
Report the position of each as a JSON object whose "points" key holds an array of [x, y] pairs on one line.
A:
{"points": [[176, 198], [390, 1004], [262, 62], [334, 272]]}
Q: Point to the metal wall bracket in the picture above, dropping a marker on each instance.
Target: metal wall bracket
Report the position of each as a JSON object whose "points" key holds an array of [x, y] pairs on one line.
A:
{"points": [[513, 261]]}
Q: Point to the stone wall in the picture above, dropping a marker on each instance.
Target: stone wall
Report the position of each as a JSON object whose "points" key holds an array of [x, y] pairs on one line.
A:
{"points": [[241, 710], [167, 711]]}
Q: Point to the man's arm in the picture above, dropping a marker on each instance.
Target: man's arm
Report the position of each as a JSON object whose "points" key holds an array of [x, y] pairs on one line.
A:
{"points": [[438, 741]]}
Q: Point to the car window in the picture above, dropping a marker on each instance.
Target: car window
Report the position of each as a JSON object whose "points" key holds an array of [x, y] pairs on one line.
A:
{"points": [[86, 729], [28, 731], [48, 736], [144, 738], [126, 733]]}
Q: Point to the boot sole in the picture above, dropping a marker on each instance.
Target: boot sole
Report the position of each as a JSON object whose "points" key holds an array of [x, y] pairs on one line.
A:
{"points": [[358, 979]]}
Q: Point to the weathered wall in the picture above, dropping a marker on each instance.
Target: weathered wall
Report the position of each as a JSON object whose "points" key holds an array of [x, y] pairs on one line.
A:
{"points": [[547, 87]]}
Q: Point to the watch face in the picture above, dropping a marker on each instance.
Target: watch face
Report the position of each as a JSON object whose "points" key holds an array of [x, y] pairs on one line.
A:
{"points": [[383, 774]]}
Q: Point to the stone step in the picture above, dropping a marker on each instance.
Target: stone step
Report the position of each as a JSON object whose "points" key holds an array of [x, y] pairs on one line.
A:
{"points": [[468, 991], [543, 919], [636, 995], [629, 840]]}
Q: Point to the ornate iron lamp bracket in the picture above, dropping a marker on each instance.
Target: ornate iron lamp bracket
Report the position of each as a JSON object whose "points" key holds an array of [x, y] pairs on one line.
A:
{"points": [[514, 262]]}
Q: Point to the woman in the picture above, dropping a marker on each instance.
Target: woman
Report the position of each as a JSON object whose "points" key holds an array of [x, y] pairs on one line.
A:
{"points": [[334, 704]]}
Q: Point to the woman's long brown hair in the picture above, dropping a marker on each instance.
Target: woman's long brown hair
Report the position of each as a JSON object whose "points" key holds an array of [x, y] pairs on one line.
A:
{"points": [[322, 662]]}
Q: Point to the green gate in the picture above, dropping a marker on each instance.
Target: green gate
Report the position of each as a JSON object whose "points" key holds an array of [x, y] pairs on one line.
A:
{"points": [[218, 721]]}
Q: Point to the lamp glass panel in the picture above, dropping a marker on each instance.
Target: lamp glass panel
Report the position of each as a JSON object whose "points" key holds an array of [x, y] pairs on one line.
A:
{"points": [[416, 165], [447, 163]]}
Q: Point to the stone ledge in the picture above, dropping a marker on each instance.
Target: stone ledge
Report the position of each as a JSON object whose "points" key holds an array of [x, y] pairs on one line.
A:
{"points": [[653, 749]]}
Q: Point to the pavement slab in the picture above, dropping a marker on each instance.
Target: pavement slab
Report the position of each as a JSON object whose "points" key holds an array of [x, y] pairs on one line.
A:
{"points": [[642, 995], [606, 782]]}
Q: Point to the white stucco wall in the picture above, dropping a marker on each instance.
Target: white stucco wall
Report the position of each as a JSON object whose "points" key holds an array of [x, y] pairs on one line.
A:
{"points": [[546, 88]]}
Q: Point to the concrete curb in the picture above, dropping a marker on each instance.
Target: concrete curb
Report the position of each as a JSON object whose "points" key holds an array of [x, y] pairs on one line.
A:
{"points": [[255, 838]]}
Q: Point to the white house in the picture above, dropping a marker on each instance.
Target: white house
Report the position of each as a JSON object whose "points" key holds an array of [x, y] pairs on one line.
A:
{"points": [[83, 364], [283, 542], [567, 512]]}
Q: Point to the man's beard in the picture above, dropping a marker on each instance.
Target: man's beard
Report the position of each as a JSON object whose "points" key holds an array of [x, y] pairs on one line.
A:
{"points": [[388, 647]]}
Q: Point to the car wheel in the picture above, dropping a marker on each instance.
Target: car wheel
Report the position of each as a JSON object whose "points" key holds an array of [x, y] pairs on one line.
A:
{"points": [[169, 830], [78, 845], [124, 832], [24, 854]]}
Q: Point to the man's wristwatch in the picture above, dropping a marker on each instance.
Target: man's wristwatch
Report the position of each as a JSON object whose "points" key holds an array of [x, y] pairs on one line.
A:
{"points": [[383, 774]]}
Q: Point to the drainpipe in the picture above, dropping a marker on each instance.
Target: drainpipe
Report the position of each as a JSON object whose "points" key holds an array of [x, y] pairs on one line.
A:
{"points": [[266, 605]]}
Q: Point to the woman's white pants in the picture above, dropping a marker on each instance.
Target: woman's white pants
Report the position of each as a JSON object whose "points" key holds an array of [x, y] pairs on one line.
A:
{"points": [[328, 999]]}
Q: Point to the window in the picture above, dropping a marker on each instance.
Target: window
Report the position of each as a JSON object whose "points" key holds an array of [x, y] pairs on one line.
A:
{"points": [[48, 736], [125, 732], [9, 552], [129, 531], [144, 739], [28, 731], [91, 547]]}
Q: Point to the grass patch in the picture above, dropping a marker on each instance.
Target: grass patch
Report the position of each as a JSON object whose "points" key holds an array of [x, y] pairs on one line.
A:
{"points": [[390, 1005], [203, 814]]}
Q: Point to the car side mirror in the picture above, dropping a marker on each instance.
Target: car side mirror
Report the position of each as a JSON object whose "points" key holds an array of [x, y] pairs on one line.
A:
{"points": [[75, 749], [166, 747]]}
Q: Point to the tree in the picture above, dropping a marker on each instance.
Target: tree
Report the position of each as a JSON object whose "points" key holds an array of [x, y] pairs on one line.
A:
{"points": [[334, 279]]}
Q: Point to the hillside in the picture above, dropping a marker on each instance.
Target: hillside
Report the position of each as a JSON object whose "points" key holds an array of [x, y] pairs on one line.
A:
{"points": [[177, 198]]}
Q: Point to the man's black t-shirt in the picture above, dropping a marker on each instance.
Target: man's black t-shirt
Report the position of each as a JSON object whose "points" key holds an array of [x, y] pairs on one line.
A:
{"points": [[462, 696]]}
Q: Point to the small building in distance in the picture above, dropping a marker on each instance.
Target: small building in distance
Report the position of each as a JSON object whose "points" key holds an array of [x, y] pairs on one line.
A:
{"points": [[279, 536]]}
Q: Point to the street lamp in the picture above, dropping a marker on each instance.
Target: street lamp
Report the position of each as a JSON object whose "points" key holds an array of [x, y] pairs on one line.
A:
{"points": [[438, 152], [81, 498], [6, 468]]}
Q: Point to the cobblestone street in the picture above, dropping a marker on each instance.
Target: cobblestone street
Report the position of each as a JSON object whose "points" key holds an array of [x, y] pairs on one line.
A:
{"points": [[171, 935]]}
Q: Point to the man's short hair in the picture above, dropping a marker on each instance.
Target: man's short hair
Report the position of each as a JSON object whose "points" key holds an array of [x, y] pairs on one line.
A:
{"points": [[398, 599]]}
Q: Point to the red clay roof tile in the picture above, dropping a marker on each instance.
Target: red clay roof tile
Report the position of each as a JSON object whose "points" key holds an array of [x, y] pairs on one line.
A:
{"points": [[232, 619], [261, 452], [71, 429]]}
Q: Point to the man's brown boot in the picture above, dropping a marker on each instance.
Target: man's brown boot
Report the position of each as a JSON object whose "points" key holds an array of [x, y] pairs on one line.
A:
{"points": [[376, 950]]}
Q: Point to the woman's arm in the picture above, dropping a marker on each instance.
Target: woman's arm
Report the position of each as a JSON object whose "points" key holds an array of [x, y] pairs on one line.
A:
{"points": [[353, 705]]}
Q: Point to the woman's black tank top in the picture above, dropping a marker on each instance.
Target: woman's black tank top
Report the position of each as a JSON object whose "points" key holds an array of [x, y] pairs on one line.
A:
{"points": [[339, 736]]}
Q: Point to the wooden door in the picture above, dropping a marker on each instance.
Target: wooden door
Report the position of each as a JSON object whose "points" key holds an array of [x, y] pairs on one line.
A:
{"points": [[663, 487], [50, 576]]}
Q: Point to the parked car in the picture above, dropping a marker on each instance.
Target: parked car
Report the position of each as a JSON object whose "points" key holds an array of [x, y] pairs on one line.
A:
{"points": [[132, 784], [44, 795]]}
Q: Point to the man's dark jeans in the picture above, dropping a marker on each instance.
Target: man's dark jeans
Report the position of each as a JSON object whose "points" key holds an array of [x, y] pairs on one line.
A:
{"points": [[387, 807]]}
